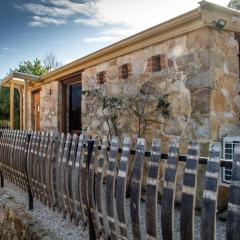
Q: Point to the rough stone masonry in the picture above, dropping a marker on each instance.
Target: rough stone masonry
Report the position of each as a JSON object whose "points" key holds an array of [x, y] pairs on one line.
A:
{"points": [[16, 223]]}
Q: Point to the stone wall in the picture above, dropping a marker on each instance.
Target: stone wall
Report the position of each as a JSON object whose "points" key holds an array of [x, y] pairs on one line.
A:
{"points": [[225, 103], [49, 107], [17, 224], [201, 85]]}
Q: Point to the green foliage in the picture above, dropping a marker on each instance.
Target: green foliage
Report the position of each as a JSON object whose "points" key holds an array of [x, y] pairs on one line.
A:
{"points": [[163, 106], [16, 109], [112, 103], [33, 68], [4, 103], [5, 106], [234, 4]]}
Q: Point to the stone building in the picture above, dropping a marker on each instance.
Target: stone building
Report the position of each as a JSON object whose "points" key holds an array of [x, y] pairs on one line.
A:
{"points": [[179, 78], [191, 63]]}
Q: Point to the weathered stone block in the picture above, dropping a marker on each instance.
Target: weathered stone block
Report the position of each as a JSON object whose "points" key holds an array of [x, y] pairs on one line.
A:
{"points": [[199, 80], [17, 224], [184, 59], [200, 100], [198, 39]]}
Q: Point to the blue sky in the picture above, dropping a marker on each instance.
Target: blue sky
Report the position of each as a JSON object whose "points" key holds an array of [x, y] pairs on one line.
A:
{"points": [[74, 28]]}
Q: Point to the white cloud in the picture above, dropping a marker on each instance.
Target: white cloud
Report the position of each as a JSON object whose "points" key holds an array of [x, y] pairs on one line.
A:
{"points": [[142, 14], [56, 42], [8, 49], [86, 8], [120, 31], [89, 22], [125, 18], [101, 39], [44, 21], [42, 10], [59, 8], [122, 17]]}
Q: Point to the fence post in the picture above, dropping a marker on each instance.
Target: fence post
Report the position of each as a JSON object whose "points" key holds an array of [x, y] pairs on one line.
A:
{"points": [[92, 234], [30, 196], [1, 174], [233, 224], [2, 179]]}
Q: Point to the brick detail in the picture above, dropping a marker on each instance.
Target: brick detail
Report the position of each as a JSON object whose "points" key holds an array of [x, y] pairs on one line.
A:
{"points": [[120, 72], [149, 64], [157, 63], [125, 71], [129, 69], [163, 61], [101, 77]]}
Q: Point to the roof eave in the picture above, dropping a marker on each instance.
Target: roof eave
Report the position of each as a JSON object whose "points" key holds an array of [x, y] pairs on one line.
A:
{"points": [[137, 38], [18, 75]]}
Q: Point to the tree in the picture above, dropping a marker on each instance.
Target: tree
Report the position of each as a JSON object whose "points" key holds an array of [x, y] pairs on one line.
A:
{"points": [[124, 113], [4, 106], [36, 68], [234, 4], [4, 103], [50, 61], [33, 68]]}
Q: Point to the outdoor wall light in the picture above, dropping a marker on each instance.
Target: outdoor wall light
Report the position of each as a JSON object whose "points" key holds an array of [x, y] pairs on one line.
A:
{"points": [[220, 23]]}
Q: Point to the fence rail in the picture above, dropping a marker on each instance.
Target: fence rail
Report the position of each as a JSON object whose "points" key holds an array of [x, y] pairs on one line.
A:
{"points": [[71, 173]]}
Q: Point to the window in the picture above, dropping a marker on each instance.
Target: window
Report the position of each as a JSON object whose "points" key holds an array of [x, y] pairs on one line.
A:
{"points": [[229, 144], [125, 71], [157, 63], [101, 77]]}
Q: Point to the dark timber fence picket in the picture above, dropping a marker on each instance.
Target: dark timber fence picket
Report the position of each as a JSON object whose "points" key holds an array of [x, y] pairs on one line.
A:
{"points": [[71, 173]]}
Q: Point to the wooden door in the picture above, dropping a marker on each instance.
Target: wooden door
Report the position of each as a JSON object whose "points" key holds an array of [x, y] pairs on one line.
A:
{"points": [[36, 111]]}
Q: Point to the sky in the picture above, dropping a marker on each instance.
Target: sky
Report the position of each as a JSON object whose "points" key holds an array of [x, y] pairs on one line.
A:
{"points": [[72, 29]]}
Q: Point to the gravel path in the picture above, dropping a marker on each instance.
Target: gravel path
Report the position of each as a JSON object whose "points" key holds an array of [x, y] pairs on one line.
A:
{"points": [[63, 229]]}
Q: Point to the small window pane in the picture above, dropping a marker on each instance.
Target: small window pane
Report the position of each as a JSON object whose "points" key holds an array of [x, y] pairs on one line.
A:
{"points": [[228, 145], [228, 151], [228, 156], [228, 177]]}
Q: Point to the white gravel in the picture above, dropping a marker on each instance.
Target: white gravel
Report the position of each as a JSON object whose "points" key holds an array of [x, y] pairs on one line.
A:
{"points": [[63, 229]]}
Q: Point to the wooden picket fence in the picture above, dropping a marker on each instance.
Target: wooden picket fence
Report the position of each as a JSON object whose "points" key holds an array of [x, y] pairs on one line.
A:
{"points": [[70, 173]]}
